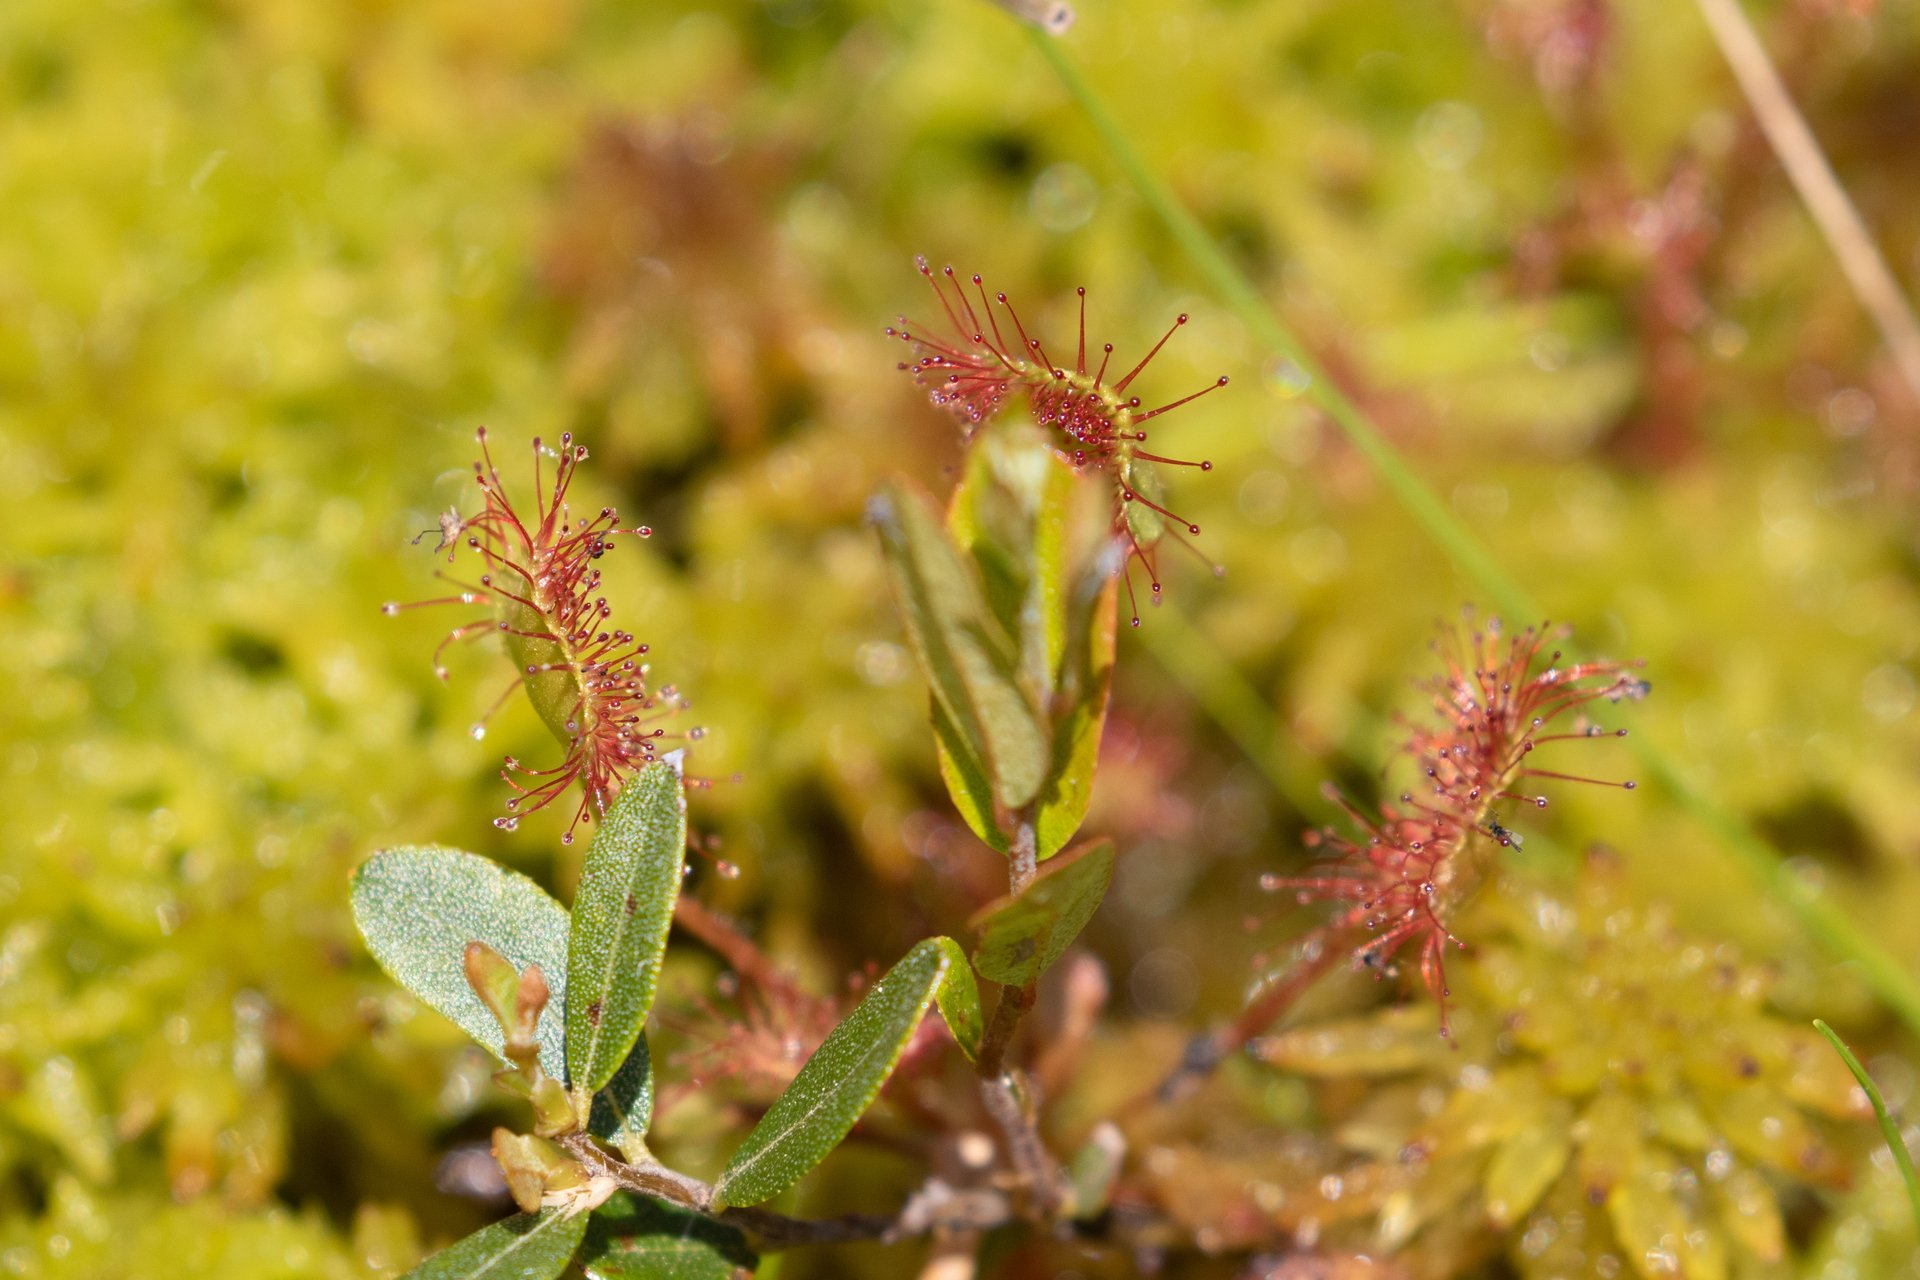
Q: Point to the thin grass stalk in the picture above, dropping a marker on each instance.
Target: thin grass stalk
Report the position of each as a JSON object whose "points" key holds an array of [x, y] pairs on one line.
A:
{"points": [[1826, 923], [1889, 1127]]}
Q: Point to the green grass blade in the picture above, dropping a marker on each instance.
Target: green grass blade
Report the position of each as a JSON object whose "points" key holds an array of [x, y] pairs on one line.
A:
{"points": [[1888, 1126]]}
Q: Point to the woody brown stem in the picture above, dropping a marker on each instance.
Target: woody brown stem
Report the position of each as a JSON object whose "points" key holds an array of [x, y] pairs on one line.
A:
{"points": [[1023, 857], [999, 1092], [935, 1209]]}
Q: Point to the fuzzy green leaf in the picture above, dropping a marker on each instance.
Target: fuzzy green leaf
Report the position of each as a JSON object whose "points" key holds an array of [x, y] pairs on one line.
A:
{"points": [[419, 908], [623, 1111], [1021, 936], [637, 1239], [527, 1246], [968, 658], [621, 916], [842, 1078]]}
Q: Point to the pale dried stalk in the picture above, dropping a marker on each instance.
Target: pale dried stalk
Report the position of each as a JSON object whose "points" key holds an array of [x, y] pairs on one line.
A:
{"points": [[1806, 165]]}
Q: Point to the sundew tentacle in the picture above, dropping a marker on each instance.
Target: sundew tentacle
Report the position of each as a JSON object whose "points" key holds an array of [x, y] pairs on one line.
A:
{"points": [[585, 678], [975, 367], [1405, 875]]}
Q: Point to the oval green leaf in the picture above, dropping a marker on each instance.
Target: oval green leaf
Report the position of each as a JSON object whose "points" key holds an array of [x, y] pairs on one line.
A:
{"points": [[527, 1246], [621, 916], [958, 996], [623, 1111], [965, 653], [547, 669], [419, 908], [1021, 936], [1009, 513], [840, 1081], [637, 1239], [1084, 681], [966, 778]]}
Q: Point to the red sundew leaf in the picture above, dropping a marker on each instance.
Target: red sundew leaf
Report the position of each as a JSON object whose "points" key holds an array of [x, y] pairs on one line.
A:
{"points": [[1415, 867], [981, 362], [584, 677]]}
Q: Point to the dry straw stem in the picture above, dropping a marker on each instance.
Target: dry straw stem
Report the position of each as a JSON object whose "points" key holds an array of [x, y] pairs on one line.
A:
{"points": [[1827, 923], [1806, 165]]}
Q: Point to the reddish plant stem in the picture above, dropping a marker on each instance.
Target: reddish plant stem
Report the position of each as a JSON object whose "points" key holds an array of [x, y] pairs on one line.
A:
{"points": [[1208, 1050], [1000, 1092], [724, 940]]}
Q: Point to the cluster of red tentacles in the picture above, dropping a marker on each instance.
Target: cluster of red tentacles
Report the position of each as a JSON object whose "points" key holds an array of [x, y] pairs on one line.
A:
{"points": [[1407, 873], [974, 370], [586, 678]]}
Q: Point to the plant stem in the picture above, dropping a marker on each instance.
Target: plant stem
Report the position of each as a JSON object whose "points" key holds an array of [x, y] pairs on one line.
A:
{"points": [[648, 1178], [1800, 155], [999, 1092], [1889, 1127], [720, 936], [936, 1208], [1023, 862], [1831, 926]]}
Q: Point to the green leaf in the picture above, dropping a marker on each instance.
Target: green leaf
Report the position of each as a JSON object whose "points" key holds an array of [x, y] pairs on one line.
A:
{"points": [[1021, 936], [1085, 683], [968, 658], [623, 1111], [1094, 1169], [547, 669], [419, 908], [638, 1239], [958, 996], [621, 916], [1010, 515], [841, 1080], [967, 782], [527, 1246]]}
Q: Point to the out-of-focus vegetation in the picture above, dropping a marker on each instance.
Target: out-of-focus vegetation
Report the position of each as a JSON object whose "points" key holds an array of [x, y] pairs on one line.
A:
{"points": [[264, 268]]}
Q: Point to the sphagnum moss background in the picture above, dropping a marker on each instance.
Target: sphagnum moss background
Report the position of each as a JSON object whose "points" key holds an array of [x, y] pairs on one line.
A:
{"points": [[264, 268]]}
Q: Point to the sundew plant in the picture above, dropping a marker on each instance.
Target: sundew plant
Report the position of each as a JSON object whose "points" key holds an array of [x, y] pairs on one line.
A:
{"points": [[973, 641]]}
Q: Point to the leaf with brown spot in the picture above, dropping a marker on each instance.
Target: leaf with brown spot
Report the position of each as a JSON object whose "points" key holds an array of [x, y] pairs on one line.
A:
{"points": [[613, 960]]}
